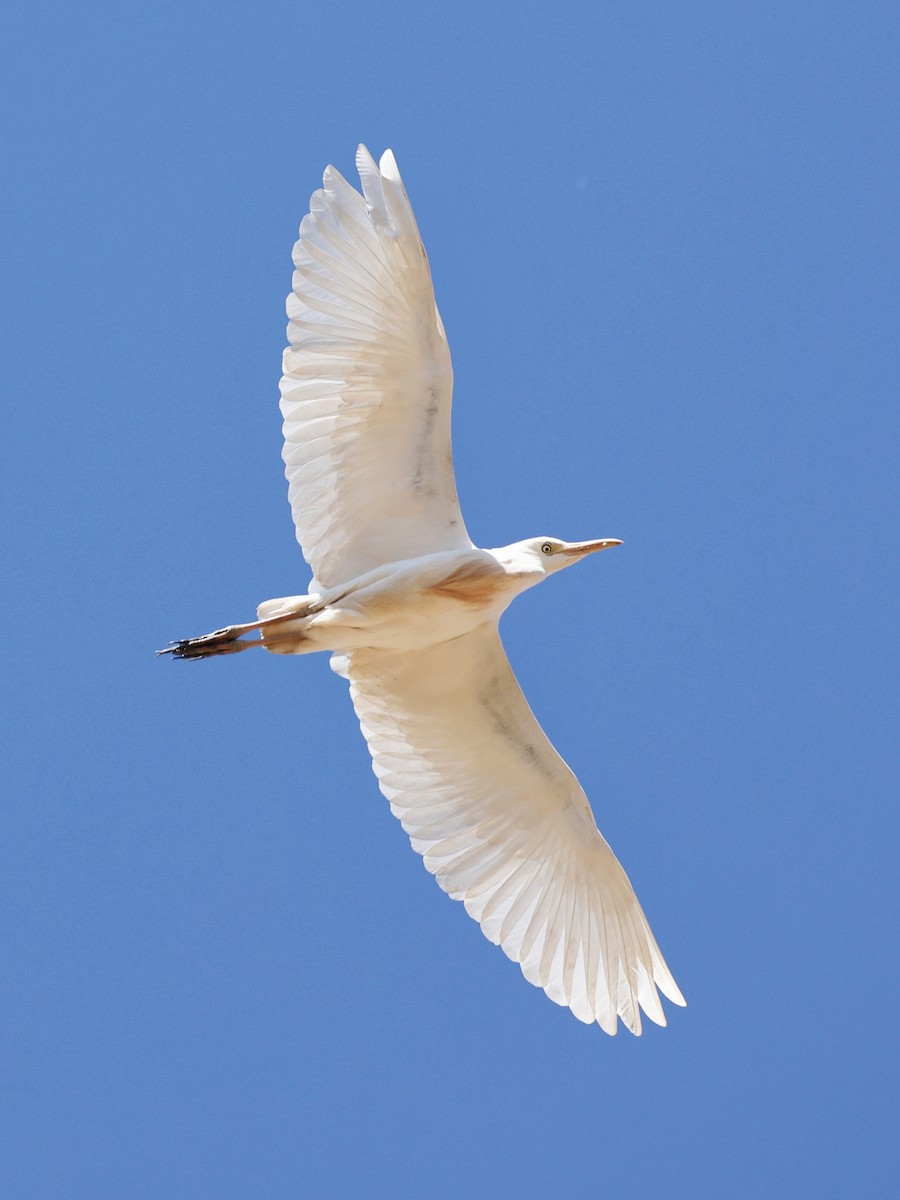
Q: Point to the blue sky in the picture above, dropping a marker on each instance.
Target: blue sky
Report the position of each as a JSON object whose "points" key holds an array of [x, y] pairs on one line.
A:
{"points": [[664, 244]]}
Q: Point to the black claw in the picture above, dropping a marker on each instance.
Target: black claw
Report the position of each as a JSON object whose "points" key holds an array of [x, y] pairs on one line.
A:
{"points": [[176, 648], [212, 644]]}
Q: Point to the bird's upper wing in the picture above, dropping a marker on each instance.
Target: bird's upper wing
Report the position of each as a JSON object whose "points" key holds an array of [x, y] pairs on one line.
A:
{"points": [[503, 824], [367, 384]]}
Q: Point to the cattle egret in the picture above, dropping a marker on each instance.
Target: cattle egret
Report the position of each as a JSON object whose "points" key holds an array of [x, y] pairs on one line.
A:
{"points": [[409, 608]]}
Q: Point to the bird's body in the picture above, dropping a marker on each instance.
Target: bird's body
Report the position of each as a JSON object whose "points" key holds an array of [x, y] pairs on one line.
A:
{"points": [[411, 604], [402, 606], [409, 608]]}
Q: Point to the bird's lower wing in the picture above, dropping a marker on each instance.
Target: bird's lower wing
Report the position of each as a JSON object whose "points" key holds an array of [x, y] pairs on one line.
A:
{"points": [[367, 384], [503, 824]]}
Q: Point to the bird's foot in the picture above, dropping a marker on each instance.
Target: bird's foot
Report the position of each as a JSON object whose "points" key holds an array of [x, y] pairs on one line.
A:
{"points": [[221, 641]]}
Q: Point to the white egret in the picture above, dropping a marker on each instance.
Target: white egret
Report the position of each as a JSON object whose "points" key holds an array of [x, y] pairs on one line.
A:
{"points": [[409, 607]]}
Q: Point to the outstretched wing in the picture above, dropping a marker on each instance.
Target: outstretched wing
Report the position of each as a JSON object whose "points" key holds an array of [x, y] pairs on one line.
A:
{"points": [[367, 384], [505, 827]]}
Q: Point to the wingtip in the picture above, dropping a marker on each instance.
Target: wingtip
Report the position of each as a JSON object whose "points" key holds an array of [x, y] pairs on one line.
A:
{"points": [[669, 988], [388, 166], [364, 160]]}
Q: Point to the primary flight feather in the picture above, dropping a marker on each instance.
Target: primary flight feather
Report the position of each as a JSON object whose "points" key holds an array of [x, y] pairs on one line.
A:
{"points": [[409, 607]]}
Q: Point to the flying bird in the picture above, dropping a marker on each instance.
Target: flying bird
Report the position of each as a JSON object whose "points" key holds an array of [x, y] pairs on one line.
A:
{"points": [[409, 608]]}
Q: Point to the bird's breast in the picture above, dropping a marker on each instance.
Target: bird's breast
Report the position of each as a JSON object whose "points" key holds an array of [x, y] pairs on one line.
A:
{"points": [[476, 582], [422, 604]]}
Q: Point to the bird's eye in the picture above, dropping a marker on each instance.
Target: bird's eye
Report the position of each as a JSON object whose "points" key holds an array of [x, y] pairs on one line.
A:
{"points": [[546, 548]]}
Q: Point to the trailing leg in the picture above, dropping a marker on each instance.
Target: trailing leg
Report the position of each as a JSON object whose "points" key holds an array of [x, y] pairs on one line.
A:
{"points": [[231, 639]]}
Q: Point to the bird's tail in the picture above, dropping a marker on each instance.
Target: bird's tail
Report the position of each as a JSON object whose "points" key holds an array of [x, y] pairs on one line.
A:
{"points": [[287, 632]]}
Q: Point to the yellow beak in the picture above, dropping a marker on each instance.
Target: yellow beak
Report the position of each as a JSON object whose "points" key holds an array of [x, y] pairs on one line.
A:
{"points": [[577, 549]]}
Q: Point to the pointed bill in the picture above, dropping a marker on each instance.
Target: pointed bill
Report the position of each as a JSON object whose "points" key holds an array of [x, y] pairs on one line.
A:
{"points": [[577, 549]]}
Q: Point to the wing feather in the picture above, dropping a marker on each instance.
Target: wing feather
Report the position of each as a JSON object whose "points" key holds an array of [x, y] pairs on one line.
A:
{"points": [[504, 826], [367, 384]]}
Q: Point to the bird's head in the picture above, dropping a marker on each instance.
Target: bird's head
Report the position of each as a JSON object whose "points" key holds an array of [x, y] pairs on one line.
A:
{"points": [[548, 555]]}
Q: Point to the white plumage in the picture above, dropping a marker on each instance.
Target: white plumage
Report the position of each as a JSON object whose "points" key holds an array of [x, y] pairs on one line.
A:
{"points": [[409, 607], [504, 826], [367, 384]]}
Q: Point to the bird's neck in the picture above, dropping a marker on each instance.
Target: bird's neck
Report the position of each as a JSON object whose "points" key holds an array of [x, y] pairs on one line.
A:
{"points": [[521, 569]]}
